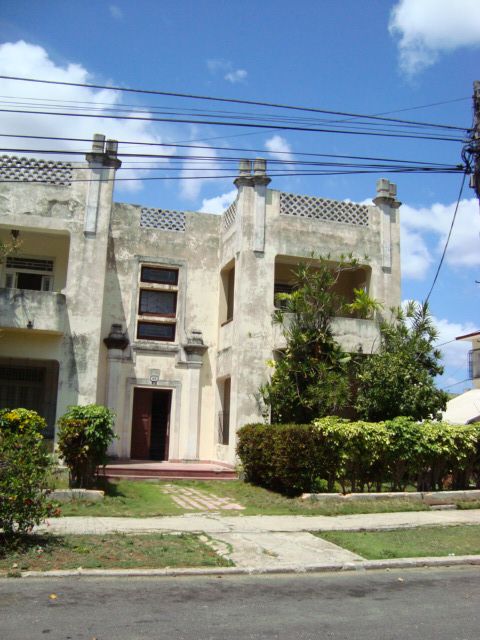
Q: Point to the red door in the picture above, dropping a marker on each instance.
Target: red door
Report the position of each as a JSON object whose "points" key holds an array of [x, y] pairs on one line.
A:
{"points": [[141, 424]]}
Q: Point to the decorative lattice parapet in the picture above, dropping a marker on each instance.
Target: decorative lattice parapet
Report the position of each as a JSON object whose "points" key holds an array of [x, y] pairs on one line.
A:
{"points": [[229, 216], [323, 209], [21, 169], [162, 219]]}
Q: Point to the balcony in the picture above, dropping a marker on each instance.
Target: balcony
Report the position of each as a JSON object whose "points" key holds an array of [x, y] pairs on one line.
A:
{"points": [[22, 309], [353, 334]]}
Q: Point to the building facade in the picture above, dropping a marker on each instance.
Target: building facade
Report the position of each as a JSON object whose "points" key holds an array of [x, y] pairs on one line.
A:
{"points": [[166, 316]]}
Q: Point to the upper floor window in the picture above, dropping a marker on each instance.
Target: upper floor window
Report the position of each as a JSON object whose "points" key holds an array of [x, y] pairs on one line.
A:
{"points": [[227, 293], [35, 274], [157, 303]]}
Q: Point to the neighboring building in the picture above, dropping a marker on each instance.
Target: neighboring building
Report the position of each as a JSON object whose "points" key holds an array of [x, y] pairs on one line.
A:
{"points": [[165, 316], [465, 408]]}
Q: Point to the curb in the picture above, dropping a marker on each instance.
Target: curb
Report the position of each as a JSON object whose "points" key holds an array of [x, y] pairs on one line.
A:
{"points": [[365, 565]]}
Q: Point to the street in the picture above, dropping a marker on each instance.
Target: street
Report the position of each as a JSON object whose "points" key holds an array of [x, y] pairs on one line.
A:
{"points": [[427, 604]]}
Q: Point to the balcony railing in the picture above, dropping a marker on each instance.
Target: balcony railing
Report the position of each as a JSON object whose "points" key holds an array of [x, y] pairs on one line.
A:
{"points": [[353, 334], [32, 310]]}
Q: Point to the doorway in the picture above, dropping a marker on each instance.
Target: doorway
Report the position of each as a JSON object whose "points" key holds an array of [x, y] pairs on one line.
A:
{"points": [[150, 424]]}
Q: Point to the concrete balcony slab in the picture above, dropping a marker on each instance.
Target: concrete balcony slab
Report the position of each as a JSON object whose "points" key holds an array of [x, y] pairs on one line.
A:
{"points": [[25, 310]]}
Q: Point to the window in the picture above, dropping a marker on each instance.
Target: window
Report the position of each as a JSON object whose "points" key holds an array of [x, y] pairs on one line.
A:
{"points": [[224, 415], [157, 303], [160, 275], [227, 289], [35, 274], [156, 331]]}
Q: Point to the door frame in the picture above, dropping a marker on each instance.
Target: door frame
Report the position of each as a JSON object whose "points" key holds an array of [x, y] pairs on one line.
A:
{"points": [[175, 387]]}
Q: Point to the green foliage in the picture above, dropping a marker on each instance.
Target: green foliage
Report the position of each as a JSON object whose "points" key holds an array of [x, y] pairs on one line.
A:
{"points": [[361, 456], [311, 378], [399, 379], [363, 305], [85, 433], [266, 452], [24, 468]]}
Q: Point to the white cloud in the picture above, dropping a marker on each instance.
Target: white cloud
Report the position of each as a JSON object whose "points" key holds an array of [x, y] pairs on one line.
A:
{"points": [[32, 61], [237, 75], [455, 353], [219, 65], [433, 223], [279, 148], [427, 28], [218, 204], [195, 173], [115, 12], [415, 256]]}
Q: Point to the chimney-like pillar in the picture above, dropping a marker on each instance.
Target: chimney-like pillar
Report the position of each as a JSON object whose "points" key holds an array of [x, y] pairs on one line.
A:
{"points": [[388, 204]]}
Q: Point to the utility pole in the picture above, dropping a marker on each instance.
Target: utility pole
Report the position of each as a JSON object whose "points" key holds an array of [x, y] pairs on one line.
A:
{"points": [[474, 147]]}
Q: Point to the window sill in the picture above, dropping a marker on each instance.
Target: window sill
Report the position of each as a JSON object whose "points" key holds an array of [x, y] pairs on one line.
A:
{"points": [[158, 346]]}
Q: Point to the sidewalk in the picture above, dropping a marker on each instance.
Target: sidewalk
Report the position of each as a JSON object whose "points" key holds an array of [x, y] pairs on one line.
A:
{"points": [[276, 543]]}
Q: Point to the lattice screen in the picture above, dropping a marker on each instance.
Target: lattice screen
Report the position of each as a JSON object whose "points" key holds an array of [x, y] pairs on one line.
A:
{"points": [[162, 219], [323, 209], [16, 169], [230, 215]]}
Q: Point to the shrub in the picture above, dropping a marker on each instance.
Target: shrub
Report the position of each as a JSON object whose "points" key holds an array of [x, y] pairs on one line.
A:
{"points": [[24, 467], [84, 435], [279, 457], [360, 455]]}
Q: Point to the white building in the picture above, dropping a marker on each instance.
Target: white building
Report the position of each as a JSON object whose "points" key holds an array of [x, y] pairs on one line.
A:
{"points": [[165, 316], [465, 408]]}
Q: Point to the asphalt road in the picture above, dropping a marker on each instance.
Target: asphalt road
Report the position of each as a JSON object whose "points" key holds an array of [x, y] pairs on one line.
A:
{"points": [[422, 604]]}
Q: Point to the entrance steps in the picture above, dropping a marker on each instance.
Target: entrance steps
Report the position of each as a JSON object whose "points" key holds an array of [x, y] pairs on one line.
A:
{"points": [[148, 469]]}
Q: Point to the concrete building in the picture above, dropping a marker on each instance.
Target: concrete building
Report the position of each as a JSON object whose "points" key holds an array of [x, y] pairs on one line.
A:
{"points": [[165, 316], [465, 408]]}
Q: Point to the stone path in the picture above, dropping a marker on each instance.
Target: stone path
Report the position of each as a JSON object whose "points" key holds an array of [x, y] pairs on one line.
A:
{"points": [[263, 543], [199, 500]]}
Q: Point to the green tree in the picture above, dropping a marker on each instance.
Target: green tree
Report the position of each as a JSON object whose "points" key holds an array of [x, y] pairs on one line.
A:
{"points": [[311, 378], [399, 379]]}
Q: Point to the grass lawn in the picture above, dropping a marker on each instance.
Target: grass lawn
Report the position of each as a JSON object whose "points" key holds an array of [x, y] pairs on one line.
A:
{"points": [[146, 499], [115, 551], [408, 543]]}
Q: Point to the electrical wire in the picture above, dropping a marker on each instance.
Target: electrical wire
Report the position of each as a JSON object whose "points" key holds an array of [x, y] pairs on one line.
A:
{"points": [[223, 100], [215, 148], [448, 237], [220, 123], [456, 383]]}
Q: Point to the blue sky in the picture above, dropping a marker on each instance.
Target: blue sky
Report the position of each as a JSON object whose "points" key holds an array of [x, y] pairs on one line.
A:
{"points": [[371, 57]]}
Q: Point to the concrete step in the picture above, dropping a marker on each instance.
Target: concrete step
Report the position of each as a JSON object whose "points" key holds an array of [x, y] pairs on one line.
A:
{"points": [[168, 471]]}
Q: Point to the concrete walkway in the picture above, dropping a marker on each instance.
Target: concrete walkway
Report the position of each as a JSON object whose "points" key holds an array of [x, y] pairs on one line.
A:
{"points": [[266, 543]]}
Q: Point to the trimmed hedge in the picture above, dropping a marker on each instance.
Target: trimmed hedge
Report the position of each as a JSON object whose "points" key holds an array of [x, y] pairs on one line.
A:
{"points": [[360, 456]]}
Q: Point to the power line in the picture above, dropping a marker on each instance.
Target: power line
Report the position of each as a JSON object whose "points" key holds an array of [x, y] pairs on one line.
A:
{"points": [[224, 100], [448, 237], [210, 147], [55, 102], [456, 383], [254, 125]]}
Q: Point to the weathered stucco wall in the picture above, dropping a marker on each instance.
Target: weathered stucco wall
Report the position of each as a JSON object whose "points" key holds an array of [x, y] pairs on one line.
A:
{"points": [[99, 249]]}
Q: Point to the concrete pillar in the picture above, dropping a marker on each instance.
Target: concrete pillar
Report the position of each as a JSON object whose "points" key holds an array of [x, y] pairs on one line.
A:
{"points": [[194, 350], [116, 343], [387, 203]]}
